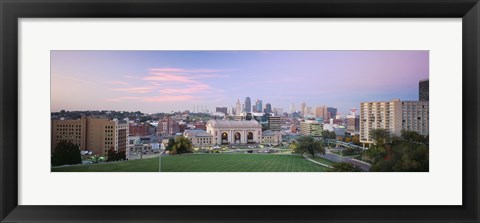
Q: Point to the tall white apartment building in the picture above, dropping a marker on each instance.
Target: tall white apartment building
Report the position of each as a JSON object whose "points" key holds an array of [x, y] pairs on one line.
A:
{"points": [[380, 115], [393, 116]]}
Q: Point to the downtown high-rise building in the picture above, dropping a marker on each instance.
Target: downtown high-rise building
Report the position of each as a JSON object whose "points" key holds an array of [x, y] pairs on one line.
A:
{"points": [[248, 105], [223, 110], [292, 108], [308, 111], [423, 90], [332, 112], [238, 108], [353, 123], [258, 106], [278, 111], [303, 107], [268, 108], [321, 112]]}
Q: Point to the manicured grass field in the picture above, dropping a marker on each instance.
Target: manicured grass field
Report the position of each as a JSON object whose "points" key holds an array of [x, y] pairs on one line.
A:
{"points": [[206, 163], [239, 163], [140, 165]]}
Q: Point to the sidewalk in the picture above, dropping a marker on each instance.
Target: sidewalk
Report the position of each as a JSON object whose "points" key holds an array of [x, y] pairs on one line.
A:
{"points": [[313, 161]]}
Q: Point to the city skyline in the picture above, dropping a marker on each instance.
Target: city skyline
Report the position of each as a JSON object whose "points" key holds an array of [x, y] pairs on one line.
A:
{"points": [[165, 81]]}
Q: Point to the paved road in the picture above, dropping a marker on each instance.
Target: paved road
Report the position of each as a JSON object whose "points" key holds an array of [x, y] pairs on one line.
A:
{"points": [[336, 158]]}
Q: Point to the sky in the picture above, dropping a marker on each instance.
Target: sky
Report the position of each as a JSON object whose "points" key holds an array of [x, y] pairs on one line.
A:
{"points": [[165, 81]]}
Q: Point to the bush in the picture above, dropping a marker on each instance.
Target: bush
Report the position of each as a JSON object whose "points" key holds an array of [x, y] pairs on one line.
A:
{"points": [[66, 153], [116, 155], [345, 167]]}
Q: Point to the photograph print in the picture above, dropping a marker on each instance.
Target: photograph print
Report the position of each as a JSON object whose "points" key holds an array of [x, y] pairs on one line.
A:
{"points": [[239, 111]]}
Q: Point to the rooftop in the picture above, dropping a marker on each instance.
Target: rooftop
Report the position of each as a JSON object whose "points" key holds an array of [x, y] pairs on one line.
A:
{"points": [[235, 124], [197, 133]]}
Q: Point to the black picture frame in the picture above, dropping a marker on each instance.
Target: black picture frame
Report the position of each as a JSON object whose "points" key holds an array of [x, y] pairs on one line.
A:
{"points": [[12, 10]]}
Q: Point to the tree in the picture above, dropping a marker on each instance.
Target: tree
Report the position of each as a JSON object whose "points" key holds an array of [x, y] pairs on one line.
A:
{"points": [[345, 167], [328, 134], [412, 136], [182, 145], [293, 145], [356, 139], [376, 152], [307, 144], [409, 136], [380, 136], [116, 155], [66, 153], [171, 143], [404, 157]]}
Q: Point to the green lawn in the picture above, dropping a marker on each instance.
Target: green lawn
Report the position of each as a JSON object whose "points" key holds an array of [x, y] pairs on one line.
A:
{"points": [[206, 163], [140, 165]]}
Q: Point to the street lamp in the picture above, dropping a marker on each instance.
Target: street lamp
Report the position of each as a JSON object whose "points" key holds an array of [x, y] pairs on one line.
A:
{"points": [[160, 157]]}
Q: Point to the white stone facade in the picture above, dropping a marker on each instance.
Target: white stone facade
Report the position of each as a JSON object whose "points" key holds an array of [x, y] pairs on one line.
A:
{"points": [[199, 137], [272, 137], [234, 132]]}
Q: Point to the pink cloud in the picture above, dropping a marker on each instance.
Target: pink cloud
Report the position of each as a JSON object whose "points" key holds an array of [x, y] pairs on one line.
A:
{"points": [[182, 70], [172, 84], [167, 98], [160, 98], [189, 89], [180, 74], [168, 77], [141, 90]]}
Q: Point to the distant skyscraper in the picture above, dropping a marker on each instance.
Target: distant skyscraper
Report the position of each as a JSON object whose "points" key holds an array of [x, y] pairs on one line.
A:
{"points": [[292, 108], [258, 105], [303, 109], [423, 90], [321, 112], [353, 123], [332, 112], [238, 108], [222, 110], [268, 108], [278, 111], [308, 111], [248, 105]]}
